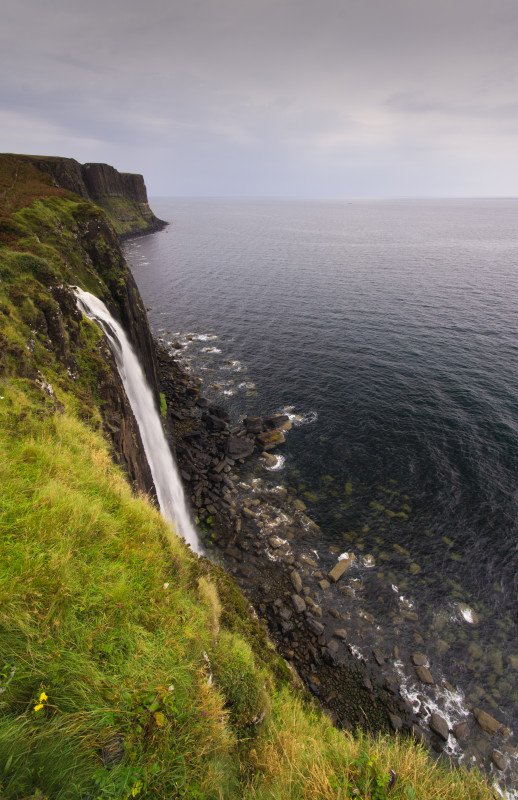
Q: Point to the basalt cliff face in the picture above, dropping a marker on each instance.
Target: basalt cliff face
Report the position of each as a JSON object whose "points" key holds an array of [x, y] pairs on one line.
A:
{"points": [[122, 195], [53, 237]]}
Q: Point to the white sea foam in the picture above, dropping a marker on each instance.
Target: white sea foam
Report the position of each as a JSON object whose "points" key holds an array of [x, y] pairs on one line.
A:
{"points": [[449, 705], [299, 419], [279, 464], [210, 350]]}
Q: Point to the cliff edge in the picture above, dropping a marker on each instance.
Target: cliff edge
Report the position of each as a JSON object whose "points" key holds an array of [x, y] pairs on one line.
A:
{"points": [[122, 195]]}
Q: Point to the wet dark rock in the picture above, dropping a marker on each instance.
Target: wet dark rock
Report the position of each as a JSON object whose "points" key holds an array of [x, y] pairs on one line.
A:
{"points": [[324, 585], [439, 726], [379, 656], [419, 659], [340, 633]]}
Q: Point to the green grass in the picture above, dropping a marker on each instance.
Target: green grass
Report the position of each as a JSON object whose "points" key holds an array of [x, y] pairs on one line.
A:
{"points": [[105, 611], [128, 667]]}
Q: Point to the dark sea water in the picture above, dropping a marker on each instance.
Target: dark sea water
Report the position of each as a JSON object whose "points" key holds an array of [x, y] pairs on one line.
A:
{"points": [[391, 328]]}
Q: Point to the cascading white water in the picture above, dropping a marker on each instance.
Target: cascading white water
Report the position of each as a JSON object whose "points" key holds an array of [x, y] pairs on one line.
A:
{"points": [[168, 487]]}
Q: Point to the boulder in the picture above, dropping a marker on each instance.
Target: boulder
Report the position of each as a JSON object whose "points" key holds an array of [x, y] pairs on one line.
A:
{"points": [[439, 726], [298, 603], [310, 562], [239, 447], [253, 425], [269, 440], [202, 402], [275, 542], [424, 675], [218, 411], [341, 567], [461, 731], [213, 423], [488, 723], [279, 422], [419, 659], [296, 581], [498, 759], [315, 626], [396, 723]]}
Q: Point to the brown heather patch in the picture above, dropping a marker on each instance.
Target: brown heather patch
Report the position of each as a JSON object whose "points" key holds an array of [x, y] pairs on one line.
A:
{"points": [[20, 184]]}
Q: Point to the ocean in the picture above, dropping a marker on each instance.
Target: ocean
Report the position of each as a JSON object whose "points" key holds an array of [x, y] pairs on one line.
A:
{"points": [[388, 330]]}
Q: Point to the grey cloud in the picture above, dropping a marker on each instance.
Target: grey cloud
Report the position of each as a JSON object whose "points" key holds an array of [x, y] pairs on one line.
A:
{"points": [[257, 96]]}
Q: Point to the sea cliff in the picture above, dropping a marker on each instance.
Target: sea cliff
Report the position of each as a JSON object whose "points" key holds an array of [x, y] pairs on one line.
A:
{"points": [[130, 667], [122, 195]]}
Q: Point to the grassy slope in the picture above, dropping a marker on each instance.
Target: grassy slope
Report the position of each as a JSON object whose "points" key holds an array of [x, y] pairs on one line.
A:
{"points": [[127, 667], [128, 216]]}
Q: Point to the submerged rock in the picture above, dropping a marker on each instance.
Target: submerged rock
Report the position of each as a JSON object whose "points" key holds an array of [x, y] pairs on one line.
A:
{"points": [[341, 567], [488, 723]]}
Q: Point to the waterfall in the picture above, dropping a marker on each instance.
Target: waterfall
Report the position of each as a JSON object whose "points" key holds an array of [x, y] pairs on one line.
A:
{"points": [[167, 482]]}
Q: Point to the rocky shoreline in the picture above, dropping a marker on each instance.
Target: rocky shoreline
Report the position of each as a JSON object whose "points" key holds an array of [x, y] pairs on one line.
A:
{"points": [[262, 536]]}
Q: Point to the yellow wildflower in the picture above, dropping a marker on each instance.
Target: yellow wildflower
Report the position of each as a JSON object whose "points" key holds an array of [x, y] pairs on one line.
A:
{"points": [[43, 697], [37, 707]]}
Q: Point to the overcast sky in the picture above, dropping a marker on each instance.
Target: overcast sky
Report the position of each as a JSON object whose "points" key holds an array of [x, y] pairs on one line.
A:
{"points": [[315, 98]]}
